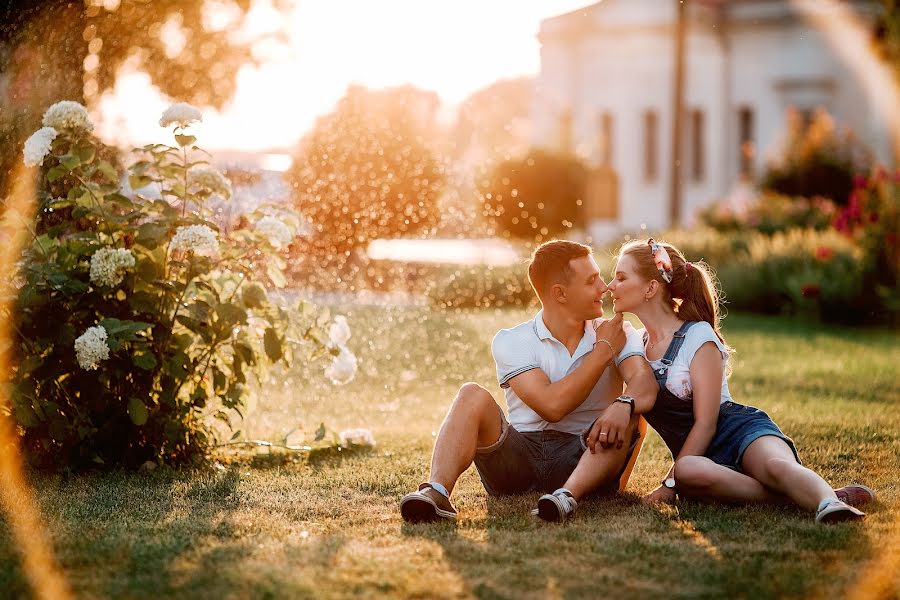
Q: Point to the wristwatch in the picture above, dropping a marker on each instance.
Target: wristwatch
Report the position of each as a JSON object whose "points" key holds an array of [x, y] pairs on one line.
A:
{"points": [[627, 400], [669, 483]]}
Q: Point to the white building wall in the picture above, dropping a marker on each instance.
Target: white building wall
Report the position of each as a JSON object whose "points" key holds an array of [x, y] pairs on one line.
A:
{"points": [[617, 57]]}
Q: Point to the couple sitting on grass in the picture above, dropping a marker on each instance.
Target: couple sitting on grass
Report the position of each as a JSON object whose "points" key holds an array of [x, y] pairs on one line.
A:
{"points": [[572, 434]]}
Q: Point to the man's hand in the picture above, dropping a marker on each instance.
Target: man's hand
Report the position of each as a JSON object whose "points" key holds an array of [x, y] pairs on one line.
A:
{"points": [[612, 331], [611, 428], [661, 495]]}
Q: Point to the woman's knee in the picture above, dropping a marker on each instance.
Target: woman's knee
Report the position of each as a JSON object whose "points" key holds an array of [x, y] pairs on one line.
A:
{"points": [[693, 471], [778, 468]]}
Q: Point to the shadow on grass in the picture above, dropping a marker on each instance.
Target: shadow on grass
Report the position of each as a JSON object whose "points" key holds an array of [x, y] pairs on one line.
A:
{"points": [[616, 546]]}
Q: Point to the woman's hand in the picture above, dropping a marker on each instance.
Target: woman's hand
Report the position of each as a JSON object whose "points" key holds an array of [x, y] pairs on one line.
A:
{"points": [[661, 495]]}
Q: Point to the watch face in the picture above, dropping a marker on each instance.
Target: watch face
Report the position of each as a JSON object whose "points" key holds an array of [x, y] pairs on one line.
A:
{"points": [[669, 483]]}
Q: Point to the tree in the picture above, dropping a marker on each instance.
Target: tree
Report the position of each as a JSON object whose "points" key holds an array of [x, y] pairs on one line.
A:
{"points": [[536, 197], [495, 120], [53, 50], [366, 170]]}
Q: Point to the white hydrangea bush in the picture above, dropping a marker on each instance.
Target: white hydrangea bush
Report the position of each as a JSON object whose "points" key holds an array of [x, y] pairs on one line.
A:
{"points": [[143, 307]]}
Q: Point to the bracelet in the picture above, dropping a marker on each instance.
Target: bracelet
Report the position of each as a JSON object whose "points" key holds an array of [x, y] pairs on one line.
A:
{"points": [[606, 341]]}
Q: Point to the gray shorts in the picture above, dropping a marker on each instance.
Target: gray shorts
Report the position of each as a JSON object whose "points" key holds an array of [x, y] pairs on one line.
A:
{"points": [[536, 461]]}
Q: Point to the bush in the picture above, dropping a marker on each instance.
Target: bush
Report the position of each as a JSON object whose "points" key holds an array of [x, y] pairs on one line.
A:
{"points": [[816, 161], [537, 197], [819, 273], [137, 324], [872, 221], [770, 214], [482, 286], [365, 172]]}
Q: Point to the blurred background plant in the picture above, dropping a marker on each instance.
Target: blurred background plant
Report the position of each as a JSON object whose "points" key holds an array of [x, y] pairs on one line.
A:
{"points": [[138, 326]]}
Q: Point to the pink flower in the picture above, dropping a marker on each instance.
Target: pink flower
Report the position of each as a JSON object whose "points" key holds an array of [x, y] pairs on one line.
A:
{"points": [[824, 253], [810, 290]]}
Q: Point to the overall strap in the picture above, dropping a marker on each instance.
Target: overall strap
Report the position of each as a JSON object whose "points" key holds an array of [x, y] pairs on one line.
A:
{"points": [[672, 351]]}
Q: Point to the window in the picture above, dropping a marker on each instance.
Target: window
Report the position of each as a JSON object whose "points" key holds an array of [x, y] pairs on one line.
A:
{"points": [[651, 138], [697, 149], [746, 147], [605, 139]]}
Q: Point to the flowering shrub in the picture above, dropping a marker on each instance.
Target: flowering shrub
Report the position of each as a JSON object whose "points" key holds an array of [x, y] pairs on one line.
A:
{"points": [[799, 271], [871, 219], [138, 325], [770, 214], [818, 160]]}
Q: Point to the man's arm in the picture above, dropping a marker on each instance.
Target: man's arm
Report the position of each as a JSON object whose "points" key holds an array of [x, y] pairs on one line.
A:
{"points": [[553, 401], [641, 385]]}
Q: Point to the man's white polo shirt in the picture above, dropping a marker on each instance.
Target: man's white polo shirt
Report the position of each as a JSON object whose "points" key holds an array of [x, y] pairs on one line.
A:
{"points": [[530, 345]]}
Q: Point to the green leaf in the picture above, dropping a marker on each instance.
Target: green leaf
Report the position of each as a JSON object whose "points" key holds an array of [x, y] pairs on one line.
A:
{"points": [[138, 181], [137, 411], [108, 171], [320, 432], [236, 435], [123, 330], [55, 173], [273, 345], [86, 153], [144, 360], [276, 275], [69, 162], [230, 315], [185, 140], [59, 203], [150, 235]]}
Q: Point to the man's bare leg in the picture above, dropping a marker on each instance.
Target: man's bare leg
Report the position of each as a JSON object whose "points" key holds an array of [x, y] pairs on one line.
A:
{"points": [[599, 468], [472, 422]]}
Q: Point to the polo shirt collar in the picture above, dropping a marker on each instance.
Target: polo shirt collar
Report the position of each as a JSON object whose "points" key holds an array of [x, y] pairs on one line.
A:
{"points": [[584, 346]]}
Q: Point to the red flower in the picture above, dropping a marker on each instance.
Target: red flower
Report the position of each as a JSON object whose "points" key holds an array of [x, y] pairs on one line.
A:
{"points": [[873, 217], [824, 253], [810, 290], [860, 181]]}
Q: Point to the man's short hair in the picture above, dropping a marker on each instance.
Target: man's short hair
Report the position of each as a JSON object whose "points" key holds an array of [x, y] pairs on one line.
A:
{"points": [[550, 264]]}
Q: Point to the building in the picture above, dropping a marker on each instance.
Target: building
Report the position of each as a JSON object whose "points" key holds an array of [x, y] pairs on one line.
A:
{"points": [[606, 89]]}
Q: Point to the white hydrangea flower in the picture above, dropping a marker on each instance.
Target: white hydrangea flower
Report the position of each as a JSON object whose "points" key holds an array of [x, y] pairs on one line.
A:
{"points": [[181, 114], [68, 115], [37, 147], [275, 230], [198, 239], [91, 348], [339, 332], [342, 369], [357, 437], [204, 178], [108, 265]]}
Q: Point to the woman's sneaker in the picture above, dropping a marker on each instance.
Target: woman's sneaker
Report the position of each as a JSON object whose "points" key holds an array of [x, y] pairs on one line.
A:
{"points": [[837, 511], [426, 506], [557, 507], [855, 495]]}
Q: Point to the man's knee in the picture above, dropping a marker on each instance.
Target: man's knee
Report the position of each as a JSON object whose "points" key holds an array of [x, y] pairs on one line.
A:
{"points": [[473, 396]]}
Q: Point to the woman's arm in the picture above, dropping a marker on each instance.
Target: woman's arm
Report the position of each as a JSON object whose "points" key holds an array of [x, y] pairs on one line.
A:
{"points": [[706, 381]]}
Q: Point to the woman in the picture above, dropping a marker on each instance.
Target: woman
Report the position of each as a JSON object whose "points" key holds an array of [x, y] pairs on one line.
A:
{"points": [[723, 451]]}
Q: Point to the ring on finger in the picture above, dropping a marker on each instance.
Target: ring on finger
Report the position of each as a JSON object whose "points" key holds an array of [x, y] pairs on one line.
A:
{"points": [[602, 434]]}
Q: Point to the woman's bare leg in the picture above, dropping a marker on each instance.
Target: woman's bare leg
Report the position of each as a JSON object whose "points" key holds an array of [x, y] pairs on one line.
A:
{"points": [[770, 461], [700, 478]]}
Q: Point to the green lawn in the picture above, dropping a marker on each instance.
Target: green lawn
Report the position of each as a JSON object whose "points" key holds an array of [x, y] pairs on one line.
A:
{"points": [[280, 526]]}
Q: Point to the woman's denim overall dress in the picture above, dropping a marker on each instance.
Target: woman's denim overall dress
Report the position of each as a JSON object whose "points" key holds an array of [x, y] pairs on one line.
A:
{"points": [[738, 425]]}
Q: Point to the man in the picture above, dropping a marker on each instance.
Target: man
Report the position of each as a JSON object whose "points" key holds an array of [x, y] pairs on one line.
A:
{"points": [[567, 432]]}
